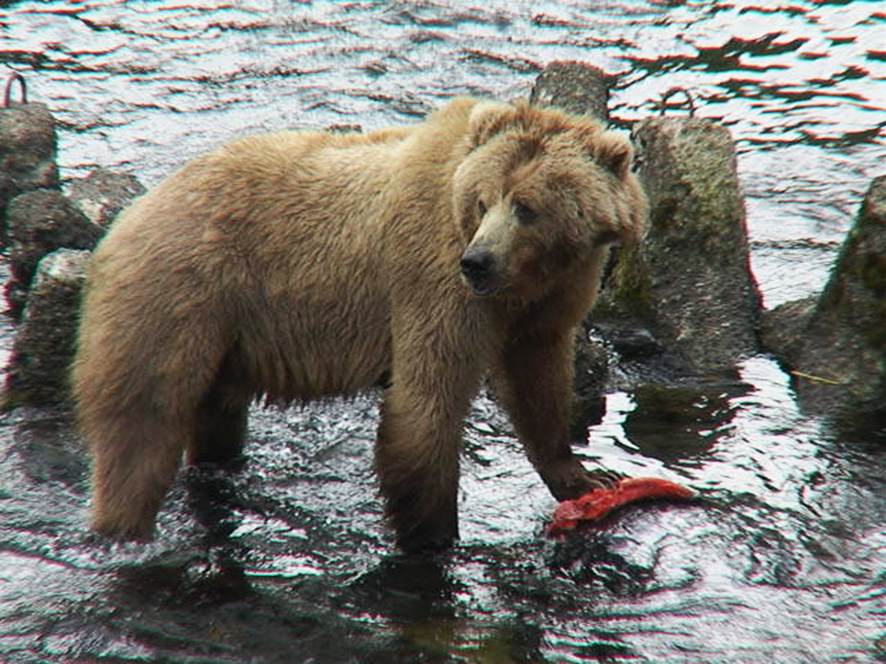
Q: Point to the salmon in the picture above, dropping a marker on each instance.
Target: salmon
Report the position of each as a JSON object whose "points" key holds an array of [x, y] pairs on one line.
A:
{"points": [[597, 503]]}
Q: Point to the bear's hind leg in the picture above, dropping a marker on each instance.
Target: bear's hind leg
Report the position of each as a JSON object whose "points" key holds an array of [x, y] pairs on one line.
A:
{"points": [[220, 429], [135, 460], [220, 418]]}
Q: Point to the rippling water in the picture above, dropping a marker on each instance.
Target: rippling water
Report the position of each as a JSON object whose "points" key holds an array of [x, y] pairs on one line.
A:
{"points": [[784, 560], [143, 85]]}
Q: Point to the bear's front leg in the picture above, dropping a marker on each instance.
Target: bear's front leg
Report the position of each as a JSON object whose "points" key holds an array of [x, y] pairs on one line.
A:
{"points": [[417, 468], [419, 435], [533, 381]]}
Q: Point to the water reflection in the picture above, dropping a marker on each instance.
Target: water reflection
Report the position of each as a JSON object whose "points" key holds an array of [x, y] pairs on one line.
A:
{"points": [[677, 423]]}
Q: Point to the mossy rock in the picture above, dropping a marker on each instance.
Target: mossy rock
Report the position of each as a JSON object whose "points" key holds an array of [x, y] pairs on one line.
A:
{"points": [[690, 280]]}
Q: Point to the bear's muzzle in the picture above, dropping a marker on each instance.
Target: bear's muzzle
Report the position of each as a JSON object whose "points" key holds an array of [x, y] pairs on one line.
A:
{"points": [[478, 270]]}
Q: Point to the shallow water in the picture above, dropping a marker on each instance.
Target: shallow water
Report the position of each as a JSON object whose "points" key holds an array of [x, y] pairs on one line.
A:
{"points": [[783, 559]]}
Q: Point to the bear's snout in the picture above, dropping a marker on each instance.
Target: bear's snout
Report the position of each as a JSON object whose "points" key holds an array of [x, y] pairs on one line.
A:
{"points": [[478, 269]]}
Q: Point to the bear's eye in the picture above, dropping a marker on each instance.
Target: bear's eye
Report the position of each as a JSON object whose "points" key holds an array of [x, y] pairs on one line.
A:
{"points": [[525, 214], [481, 209]]}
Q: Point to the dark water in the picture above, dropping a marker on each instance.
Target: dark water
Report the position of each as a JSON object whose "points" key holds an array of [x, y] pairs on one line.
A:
{"points": [[784, 558]]}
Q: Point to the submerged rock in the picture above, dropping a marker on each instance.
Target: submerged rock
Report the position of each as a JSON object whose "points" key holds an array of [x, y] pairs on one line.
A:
{"points": [[588, 384], [44, 344], [38, 223], [781, 329], [836, 345], [688, 284]]}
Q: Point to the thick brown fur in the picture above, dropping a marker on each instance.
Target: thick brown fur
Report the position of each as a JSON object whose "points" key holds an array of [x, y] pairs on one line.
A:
{"points": [[301, 265]]}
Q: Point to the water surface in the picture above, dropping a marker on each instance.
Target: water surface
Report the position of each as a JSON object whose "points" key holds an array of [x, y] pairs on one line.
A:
{"points": [[783, 559]]}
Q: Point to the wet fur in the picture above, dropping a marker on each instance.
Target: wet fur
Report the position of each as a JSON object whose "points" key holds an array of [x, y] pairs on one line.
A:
{"points": [[303, 265]]}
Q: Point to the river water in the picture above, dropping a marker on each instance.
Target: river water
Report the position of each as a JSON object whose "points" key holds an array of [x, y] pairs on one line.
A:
{"points": [[782, 560]]}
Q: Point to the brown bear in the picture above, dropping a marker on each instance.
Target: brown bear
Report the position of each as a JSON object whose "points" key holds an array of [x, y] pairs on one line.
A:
{"points": [[298, 265]]}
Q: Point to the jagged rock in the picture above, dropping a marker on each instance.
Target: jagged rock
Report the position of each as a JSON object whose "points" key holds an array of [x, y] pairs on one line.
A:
{"points": [[836, 347], [45, 341], [102, 194], [689, 282], [782, 328], [574, 87], [38, 223], [27, 151]]}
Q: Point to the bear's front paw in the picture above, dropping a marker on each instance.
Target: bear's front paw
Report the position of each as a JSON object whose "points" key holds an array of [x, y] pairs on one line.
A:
{"points": [[570, 479]]}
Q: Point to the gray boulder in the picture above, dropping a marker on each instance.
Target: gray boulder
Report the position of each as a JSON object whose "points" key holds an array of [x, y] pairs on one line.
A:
{"points": [[38, 223], [575, 87], [44, 344], [102, 194], [27, 150], [687, 289], [835, 346]]}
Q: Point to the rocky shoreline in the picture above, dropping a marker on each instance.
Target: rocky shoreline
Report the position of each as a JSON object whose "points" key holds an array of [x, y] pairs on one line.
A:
{"points": [[682, 303]]}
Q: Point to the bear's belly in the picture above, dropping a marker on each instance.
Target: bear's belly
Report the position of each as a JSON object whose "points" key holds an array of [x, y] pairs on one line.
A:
{"points": [[314, 346]]}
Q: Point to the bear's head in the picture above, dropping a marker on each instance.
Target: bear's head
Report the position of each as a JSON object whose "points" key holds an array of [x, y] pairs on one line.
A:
{"points": [[538, 194]]}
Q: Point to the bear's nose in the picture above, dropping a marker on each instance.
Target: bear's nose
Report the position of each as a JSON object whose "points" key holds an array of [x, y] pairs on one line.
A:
{"points": [[478, 269], [476, 264]]}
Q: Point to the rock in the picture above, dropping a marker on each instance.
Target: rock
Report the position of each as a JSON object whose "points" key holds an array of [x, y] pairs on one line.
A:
{"points": [[836, 347], [102, 194], [27, 151], [344, 128], [591, 374], [575, 87], [684, 301], [38, 223], [44, 344], [782, 328], [689, 282]]}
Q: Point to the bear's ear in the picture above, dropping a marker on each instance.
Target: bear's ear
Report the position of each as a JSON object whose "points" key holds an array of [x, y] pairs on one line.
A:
{"points": [[613, 153], [487, 119]]}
